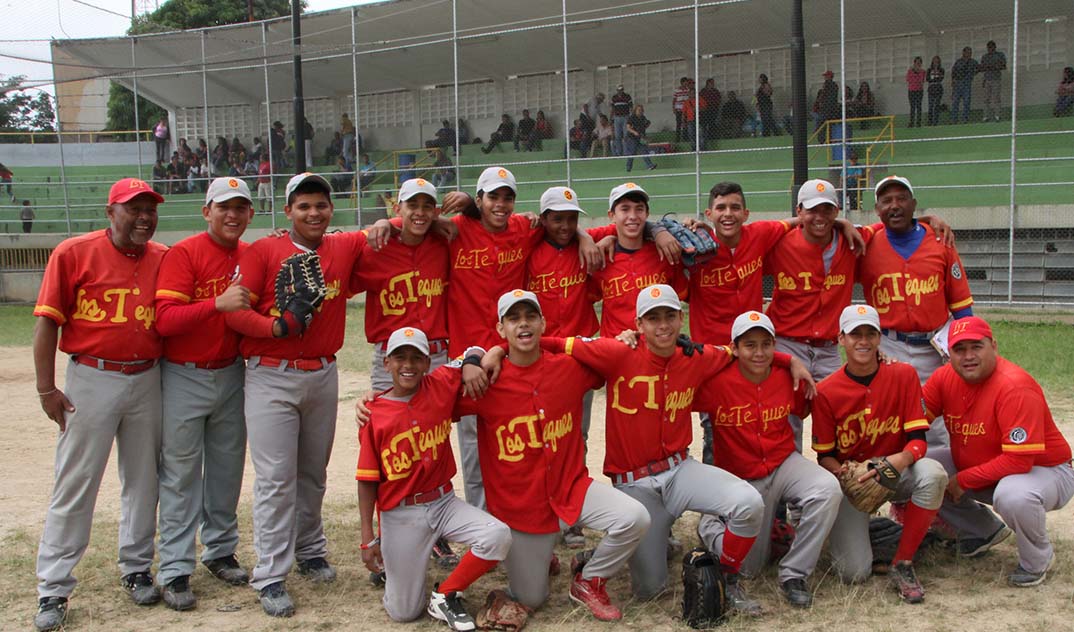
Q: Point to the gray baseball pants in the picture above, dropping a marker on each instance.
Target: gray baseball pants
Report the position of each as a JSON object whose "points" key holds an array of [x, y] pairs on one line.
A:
{"points": [[109, 406], [291, 423], [799, 482], [470, 463], [202, 457], [693, 486], [925, 360], [1021, 500], [624, 521], [922, 483], [821, 362], [406, 541]]}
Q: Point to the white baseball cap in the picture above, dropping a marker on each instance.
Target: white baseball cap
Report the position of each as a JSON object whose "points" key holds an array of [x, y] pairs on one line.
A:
{"points": [[514, 297], [657, 296], [892, 180], [495, 177], [414, 186], [750, 320], [854, 316], [308, 176], [624, 189], [560, 199], [224, 189], [815, 192], [407, 337]]}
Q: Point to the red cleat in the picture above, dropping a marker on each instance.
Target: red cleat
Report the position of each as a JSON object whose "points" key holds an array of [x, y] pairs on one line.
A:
{"points": [[591, 593]]}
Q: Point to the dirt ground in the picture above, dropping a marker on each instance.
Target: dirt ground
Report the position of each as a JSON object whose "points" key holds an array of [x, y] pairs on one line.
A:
{"points": [[961, 594]]}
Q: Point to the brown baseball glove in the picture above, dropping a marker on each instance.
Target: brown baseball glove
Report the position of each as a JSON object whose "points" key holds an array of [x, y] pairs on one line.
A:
{"points": [[502, 613], [867, 496]]}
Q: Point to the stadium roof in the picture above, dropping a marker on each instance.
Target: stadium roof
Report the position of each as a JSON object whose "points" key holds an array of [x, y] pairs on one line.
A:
{"points": [[406, 44]]}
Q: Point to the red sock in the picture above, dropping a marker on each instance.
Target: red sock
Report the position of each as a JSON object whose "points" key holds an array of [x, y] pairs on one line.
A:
{"points": [[735, 548], [470, 568], [915, 525]]}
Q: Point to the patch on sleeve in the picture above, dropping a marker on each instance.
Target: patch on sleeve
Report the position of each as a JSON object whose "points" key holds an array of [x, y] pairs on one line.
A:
{"points": [[956, 271], [1018, 436], [455, 364]]}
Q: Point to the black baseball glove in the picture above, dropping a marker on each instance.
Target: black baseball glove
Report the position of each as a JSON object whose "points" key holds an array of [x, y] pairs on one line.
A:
{"points": [[300, 290], [704, 591], [697, 245]]}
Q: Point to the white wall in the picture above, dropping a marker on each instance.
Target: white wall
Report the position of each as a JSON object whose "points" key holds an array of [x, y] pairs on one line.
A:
{"points": [[77, 154]]}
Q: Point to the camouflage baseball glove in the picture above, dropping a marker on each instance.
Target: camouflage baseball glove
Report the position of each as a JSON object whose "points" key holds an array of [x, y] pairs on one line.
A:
{"points": [[502, 613], [697, 245], [300, 290], [704, 591], [867, 496]]}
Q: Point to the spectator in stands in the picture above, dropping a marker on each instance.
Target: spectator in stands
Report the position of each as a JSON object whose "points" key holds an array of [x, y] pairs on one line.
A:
{"points": [[764, 106], [202, 152], [543, 130], [367, 172], [343, 179], [443, 170], [256, 150], [622, 105], [307, 140], [596, 106], [334, 149], [915, 88], [5, 180], [194, 174], [826, 105], [184, 150], [710, 109], [26, 214], [864, 103], [504, 133], [689, 116], [525, 135], [603, 140], [855, 174], [962, 73], [444, 137], [160, 177], [161, 135], [238, 149], [577, 139], [589, 123], [993, 63], [1064, 101], [249, 167], [176, 174], [682, 93], [278, 145], [636, 143], [463, 131], [221, 157], [264, 183], [733, 115], [934, 77], [346, 128]]}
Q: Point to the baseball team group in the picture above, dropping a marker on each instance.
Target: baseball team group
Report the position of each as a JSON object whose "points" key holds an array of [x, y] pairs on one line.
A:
{"points": [[483, 320]]}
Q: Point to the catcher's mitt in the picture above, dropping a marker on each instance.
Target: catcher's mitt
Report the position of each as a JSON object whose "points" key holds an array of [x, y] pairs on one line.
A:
{"points": [[300, 289], [502, 613], [704, 591], [698, 246], [869, 495], [884, 536]]}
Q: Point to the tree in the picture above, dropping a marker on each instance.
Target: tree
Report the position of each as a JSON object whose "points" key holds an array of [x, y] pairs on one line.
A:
{"points": [[23, 111], [175, 15]]}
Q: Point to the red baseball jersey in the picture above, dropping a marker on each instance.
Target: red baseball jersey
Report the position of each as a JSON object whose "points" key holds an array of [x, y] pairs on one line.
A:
{"points": [[731, 282], [752, 433], [406, 445], [484, 265], [102, 298], [564, 289], [406, 286], [194, 272], [622, 279], [339, 253], [860, 422], [1004, 415], [529, 441], [807, 301], [916, 294]]}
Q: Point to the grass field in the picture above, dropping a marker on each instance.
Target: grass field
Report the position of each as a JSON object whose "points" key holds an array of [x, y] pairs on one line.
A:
{"points": [[762, 165], [962, 594]]}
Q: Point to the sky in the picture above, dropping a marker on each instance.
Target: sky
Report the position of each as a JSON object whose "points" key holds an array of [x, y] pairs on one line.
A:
{"points": [[28, 25]]}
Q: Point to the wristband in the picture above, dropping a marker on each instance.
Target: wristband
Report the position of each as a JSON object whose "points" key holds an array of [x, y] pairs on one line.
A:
{"points": [[473, 360], [368, 545], [55, 390]]}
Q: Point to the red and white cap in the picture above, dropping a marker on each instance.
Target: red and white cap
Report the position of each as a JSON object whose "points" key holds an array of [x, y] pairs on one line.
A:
{"points": [[892, 179], [414, 186], [129, 188], [816, 192], [514, 297], [657, 296], [968, 328], [855, 316], [407, 337], [625, 189], [494, 178], [224, 189], [751, 320], [560, 199]]}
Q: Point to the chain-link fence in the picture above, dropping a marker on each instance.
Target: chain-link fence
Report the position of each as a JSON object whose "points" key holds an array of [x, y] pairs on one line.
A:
{"points": [[973, 105]]}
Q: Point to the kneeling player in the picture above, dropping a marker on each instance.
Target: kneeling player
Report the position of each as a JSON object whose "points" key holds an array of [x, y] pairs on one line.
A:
{"points": [[869, 409], [749, 407], [405, 467]]}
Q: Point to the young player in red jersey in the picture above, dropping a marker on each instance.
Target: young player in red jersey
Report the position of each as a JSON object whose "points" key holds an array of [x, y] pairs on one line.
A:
{"points": [[405, 467], [750, 405], [869, 409], [1005, 451], [291, 391], [96, 298], [203, 440]]}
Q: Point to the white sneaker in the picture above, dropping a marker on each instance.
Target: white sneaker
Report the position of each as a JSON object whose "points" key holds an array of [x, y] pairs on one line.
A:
{"points": [[448, 608]]}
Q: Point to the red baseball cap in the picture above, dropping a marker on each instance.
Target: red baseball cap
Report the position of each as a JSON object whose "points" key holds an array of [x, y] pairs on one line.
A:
{"points": [[968, 328], [129, 188]]}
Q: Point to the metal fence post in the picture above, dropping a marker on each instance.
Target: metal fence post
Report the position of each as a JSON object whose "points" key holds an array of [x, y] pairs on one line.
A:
{"points": [[1014, 139], [137, 122]]}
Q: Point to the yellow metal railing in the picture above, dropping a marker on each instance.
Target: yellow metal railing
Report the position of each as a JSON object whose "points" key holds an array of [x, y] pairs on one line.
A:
{"points": [[103, 136], [879, 143]]}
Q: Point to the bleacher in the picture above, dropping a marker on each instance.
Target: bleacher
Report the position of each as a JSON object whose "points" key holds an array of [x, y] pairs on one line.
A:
{"points": [[1043, 265]]}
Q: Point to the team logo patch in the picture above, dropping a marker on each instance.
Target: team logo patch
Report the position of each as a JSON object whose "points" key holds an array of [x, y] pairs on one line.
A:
{"points": [[138, 184], [820, 187], [630, 185], [754, 316], [421, 182], [567, 194], [1018, 435], [516, 293], [956, 271], [502, 173], [655, 292], [862, 310], [233, 183], [409, 333]]}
